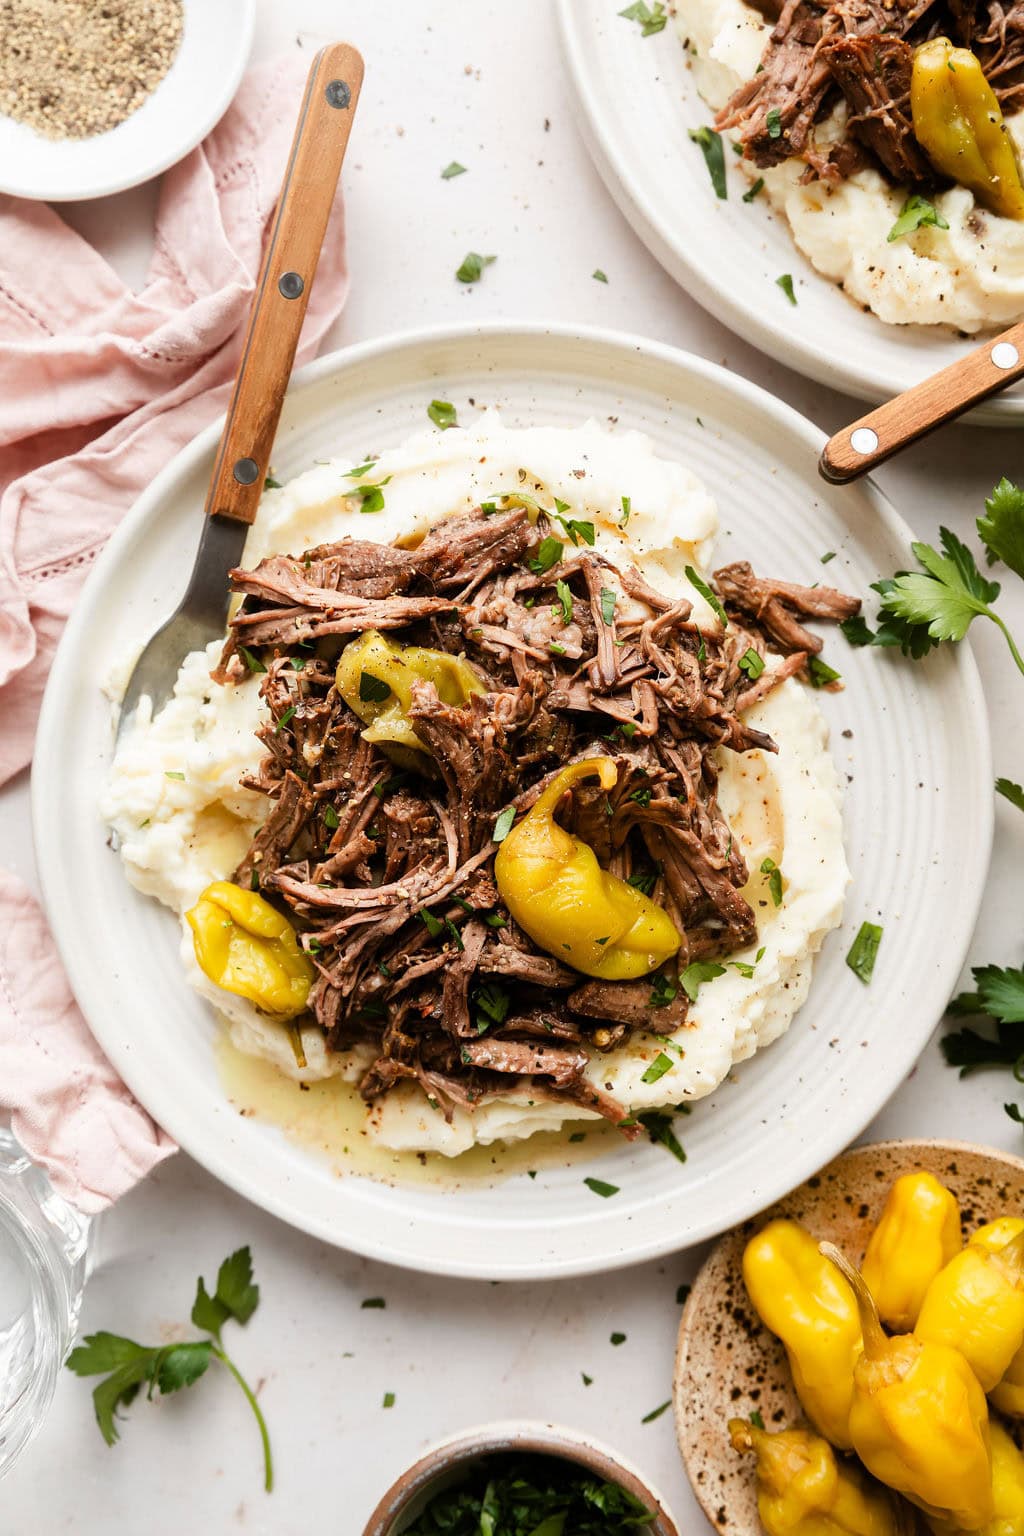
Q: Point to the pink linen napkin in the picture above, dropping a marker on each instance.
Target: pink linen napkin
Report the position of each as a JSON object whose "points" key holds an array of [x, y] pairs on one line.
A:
{"points": [[99, 388]]}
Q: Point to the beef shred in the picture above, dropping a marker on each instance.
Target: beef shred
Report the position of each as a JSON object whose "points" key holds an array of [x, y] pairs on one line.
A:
{"points": [[821, 52], [386, 869]]}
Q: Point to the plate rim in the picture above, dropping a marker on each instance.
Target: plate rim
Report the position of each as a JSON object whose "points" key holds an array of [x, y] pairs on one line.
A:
{"points": [[218, 104], [46, 780], [810, 361]]}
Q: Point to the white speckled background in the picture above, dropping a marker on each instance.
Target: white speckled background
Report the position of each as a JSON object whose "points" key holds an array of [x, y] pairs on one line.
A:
{"points": [[473, 82]]}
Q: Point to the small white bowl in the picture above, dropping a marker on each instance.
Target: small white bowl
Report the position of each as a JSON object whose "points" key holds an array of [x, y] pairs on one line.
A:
{"points": [[446, 1462], [190, 100]]}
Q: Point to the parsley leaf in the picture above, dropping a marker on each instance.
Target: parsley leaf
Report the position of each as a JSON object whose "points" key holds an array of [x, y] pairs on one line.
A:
{"points": [[578, 531], [473, 264], [503, 824], [564, 603], [863, 951], [627, 507], [252, 661], [651, 18], [785, 282], [916, 213], [373, 690], [453, 168], [656, 1413], [774, 123], [774, 873], [443, 414], [658, 1067], [608, 601], [946, 597], [663, 990], [270, 484], [696, 974], [710, 144], [752, 664], [748, 197], [549, 552], [700, 585], [599, 276], [599, 1187], [658, 1126], [1011, 791], [170, 1367], [820, 673], [1002, 528]]}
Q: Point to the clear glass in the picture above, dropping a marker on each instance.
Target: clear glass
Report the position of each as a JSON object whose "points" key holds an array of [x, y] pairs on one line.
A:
{"points": [[44, 1255]]}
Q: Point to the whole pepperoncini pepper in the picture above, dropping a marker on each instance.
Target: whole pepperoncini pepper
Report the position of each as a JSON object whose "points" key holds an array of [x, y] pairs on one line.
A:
{"points": [[375, 677], [1007, 1490], [1008, 1394], [919, 1419], [798, 1294], [558, 893], [976, 1305], [996, 1234], [246, 946], [958, 123], [917, 1234], [803, 1490]]}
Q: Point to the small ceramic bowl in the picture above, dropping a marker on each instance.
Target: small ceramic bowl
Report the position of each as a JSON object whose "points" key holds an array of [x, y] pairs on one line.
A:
{"points": [[448, 1461]]}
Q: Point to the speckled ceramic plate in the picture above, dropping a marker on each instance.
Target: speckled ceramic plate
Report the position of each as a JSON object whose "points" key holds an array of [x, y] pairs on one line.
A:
{"points": [[912, 740], [638, 102], [728, 1365]]}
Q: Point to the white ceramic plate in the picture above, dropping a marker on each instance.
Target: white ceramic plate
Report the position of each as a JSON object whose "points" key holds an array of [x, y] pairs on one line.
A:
{"points": [[638, 101], [190, 100], [918, 760]]}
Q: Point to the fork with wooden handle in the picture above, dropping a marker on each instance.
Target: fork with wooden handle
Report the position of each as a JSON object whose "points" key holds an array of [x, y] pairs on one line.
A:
{"points": [[943, 397], [268, 352]]}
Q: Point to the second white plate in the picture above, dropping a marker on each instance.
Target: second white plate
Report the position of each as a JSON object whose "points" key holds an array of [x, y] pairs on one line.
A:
{"points": [[912, 739], [638, 102]]}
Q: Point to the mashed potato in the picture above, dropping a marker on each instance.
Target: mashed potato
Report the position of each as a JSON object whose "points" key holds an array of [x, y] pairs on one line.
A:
{"points": [[181, 819], [970, 275]]}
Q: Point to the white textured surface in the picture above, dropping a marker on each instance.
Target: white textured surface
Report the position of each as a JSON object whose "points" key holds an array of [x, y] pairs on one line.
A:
{"points": [[639, 100], [455, 1353]]}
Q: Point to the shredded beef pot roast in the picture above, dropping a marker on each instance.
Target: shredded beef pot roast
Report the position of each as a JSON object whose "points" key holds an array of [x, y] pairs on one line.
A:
{"points": [[387, 872], [820, 51]]}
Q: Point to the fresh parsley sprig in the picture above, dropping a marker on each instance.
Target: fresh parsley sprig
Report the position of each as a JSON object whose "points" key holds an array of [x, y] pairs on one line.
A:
{"points": [[999, 998], [167, 1368]]}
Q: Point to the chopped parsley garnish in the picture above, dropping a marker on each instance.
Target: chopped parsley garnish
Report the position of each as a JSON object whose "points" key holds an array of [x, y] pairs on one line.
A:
{"points": [[746, 967], [472, 267], [371, 497], [172, 773], [701, 586], [553, 645], [696, 974], [652, 19], [658, 1126], [663, 992], [443, 414], [748, 197], [682, 1295], [549, 552], [588, 1381], [916, 213], [389, 1400], [579, 532], [331, 818], [857, 630], [492, 1003], [599, 1187], [432, 924], [564, 596], [453, 168], [1011, 791], [578, 1136], [774, 122], [503, 824], [656, 1413], [530, 1495], [752, 664], [290, 711], [641, 797], [608, 601], [756, 1419], [373, 1302], [785, 282], [599, 276], [627, 507], [360, 470], [646, 884], [829, 555], [617, 1339], [166, 1368], [774, 873], [710, 144], [820, 673], [864, 951], [252, 662], [658, 1067], [270, 484], [373, 690]]}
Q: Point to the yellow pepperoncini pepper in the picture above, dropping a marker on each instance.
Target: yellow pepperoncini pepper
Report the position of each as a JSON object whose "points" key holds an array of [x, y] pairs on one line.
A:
{"points": [[803, 1490], [919, 1419], [996, 1234], [558, 893], [1008, 1394], [958, 123], [1007, 1490], [917, 1234], [798, 1294], [246, 946], [976, 1305], [375, 678]]}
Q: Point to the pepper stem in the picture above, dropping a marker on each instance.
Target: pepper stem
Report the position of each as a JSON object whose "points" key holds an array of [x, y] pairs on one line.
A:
{"points": [[875, 1339], [741, 1434]]}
